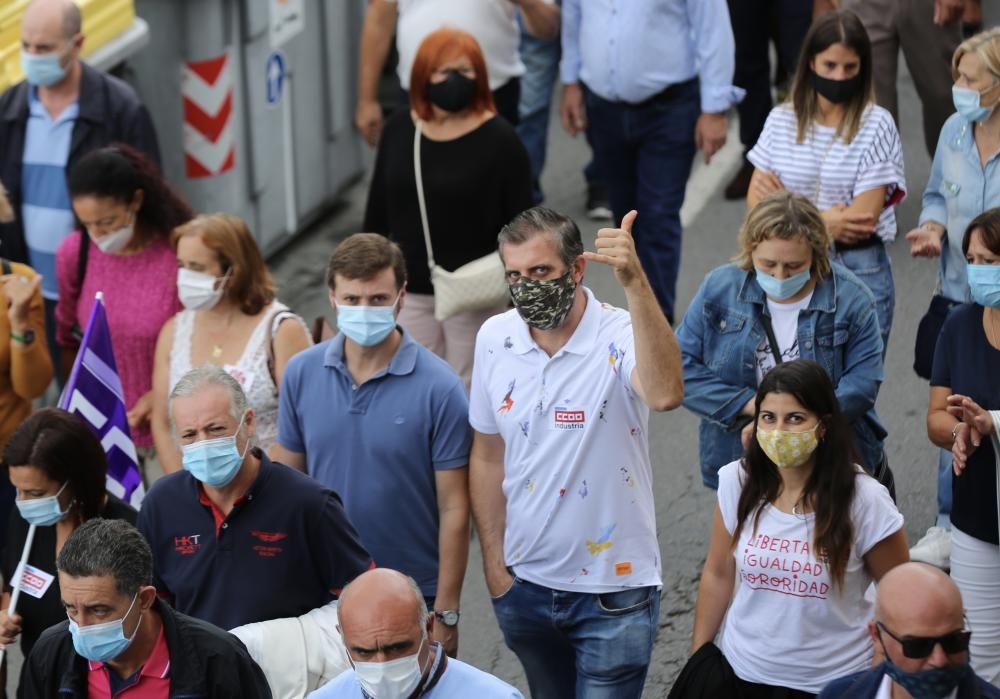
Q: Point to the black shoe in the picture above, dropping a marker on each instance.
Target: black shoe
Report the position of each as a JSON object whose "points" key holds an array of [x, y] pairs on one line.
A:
{"points": [[598, 208], [740, 184]]}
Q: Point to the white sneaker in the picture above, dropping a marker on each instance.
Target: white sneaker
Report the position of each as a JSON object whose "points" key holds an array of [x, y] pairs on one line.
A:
{"points": [[934, 548]]}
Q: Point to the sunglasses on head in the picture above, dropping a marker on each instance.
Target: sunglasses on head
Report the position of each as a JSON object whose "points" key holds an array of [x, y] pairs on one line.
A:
{"points": [[919, 647]]}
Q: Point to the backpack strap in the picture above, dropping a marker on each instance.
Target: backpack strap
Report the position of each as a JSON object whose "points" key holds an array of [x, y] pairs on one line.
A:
{"points": [[81, 259]]}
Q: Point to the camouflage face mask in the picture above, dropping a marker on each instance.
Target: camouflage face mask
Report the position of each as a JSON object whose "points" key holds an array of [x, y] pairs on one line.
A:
{"points": [[544, 304]]}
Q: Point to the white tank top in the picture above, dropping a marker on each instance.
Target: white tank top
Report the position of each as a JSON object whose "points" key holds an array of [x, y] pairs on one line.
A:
{"points": [[250, 370]]}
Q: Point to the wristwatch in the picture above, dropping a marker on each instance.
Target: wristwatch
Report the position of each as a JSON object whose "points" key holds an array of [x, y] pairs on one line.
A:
{"points": [[449, 617], [26, 339]]}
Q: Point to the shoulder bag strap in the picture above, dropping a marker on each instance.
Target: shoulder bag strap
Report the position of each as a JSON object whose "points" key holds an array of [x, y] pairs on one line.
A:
{"points": [[765, 320], [7, 269], [81, 258], [418, 175]]}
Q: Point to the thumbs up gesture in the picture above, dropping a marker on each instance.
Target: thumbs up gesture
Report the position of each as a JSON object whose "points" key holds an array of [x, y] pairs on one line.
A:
{"points": [[616, 248]]}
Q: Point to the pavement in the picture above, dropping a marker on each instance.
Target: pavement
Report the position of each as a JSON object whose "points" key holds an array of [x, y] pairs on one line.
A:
{"points": [[683, 505]]}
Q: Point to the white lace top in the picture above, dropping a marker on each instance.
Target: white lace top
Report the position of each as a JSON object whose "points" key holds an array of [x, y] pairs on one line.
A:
{"points": [[251, 370]]}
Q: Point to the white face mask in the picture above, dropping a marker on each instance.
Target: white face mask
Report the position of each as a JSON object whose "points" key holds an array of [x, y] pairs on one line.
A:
{"points": [[395, 679], [115, 241], [197, 290]]}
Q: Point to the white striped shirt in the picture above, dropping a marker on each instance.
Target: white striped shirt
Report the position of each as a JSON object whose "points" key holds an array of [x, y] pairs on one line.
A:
{"points": [[830, 172]]}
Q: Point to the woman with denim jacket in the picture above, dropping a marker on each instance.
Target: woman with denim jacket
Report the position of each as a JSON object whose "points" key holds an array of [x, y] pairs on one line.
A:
{"points": [[964, 182], [832, 144], [783, 278]]}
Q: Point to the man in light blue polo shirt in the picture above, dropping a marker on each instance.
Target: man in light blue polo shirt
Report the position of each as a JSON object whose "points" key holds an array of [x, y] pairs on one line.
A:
{"points": [[384, 422]]}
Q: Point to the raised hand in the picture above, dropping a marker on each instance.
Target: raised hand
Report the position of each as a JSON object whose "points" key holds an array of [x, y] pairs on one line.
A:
{"points": [[20, 290], [616, 248]]}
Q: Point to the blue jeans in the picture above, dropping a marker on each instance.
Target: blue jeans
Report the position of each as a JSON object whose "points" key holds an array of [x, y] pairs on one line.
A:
{"points": [[873, 266], [580, 646], [644, 154], [541, 62]]}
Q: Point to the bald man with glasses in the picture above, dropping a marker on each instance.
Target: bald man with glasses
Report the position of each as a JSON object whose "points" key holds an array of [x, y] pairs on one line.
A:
{"points": [[920, 626]]}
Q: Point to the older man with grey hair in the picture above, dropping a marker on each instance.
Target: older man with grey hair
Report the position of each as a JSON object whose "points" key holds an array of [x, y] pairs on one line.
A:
{"points": [[120, 637], [387, 629], [237, 538]]}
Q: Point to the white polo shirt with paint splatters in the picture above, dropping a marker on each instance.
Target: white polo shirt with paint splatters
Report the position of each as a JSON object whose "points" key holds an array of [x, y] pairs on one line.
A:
{"points": [[577, 474]]}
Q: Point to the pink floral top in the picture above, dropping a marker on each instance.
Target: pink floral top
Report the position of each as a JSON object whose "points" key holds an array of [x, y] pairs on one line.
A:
{"points": [[140, 295]]}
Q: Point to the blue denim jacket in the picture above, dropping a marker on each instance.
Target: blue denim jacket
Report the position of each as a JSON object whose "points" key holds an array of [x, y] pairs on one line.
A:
{"points": [[959, 189], [721, 332]]}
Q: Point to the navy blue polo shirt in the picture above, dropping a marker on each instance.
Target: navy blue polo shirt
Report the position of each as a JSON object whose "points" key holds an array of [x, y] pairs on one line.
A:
{"points": [[379, 444], [287, 547]]}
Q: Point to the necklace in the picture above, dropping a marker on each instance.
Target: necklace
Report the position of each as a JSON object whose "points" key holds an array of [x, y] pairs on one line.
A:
{"points": [[217, 346]]}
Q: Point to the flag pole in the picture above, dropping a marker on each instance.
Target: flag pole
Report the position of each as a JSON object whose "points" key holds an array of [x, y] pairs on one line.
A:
{"points": [[15, 595]]}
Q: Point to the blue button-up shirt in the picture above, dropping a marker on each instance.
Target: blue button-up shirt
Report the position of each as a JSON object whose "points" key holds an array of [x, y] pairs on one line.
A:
{"points": [[959, 189], [629, 50]]}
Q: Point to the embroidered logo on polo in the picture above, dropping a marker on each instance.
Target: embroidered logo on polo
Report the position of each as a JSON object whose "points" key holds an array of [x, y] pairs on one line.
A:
{"points": [[187, 545], [565, 419], [268, 538]]}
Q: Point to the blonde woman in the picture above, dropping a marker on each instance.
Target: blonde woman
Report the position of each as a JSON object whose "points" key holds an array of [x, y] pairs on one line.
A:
{"points": [[231, 319], [782, 285], [832, 144]]}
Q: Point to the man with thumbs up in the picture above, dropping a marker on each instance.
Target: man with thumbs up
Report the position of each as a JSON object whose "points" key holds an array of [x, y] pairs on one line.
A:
{"points": [[560, 476]]}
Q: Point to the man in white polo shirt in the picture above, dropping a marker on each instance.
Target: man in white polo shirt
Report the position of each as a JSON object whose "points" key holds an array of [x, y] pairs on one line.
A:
{"points": [[560, 476], [491, 22]]}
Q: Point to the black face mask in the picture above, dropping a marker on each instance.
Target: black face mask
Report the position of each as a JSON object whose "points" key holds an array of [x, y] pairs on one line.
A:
{"points": [[453, 94], [837, 91]]}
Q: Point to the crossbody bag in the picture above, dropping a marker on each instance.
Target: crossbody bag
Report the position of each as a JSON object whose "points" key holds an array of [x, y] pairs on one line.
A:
{"points": [[475, 286]]}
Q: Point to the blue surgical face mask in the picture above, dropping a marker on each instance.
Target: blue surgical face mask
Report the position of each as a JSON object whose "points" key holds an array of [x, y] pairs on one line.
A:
{"points": [[43, 511], [42, 70], [215, 462], [968, 103], [103, 642], [935, 683], [984, 282], [781, 289], [367, 325]]}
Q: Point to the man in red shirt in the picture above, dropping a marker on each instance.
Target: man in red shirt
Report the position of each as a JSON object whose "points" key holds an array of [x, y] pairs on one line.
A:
{"points": [[120, 640]]}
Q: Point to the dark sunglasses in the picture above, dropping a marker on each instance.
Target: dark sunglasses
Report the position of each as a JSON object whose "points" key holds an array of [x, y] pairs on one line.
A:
{"points": [[919, 647]]}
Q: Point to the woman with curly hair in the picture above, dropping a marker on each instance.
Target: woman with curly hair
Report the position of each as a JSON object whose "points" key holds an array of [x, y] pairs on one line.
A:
{"points": [[127, 212]]}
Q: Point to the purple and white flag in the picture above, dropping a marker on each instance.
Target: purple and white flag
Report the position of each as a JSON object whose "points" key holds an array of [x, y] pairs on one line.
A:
{"points": [[94, 392]]}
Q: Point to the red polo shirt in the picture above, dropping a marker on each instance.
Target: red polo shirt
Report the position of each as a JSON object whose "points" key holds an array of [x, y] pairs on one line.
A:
{"points": [[151, 682]]}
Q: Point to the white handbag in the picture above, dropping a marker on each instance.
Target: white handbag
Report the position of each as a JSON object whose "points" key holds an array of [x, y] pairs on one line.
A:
{"points": [[475, 286]]}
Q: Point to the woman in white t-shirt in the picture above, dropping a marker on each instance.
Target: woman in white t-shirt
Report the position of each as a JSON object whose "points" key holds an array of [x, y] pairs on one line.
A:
{"points": [[831, 143], [801, 531]]}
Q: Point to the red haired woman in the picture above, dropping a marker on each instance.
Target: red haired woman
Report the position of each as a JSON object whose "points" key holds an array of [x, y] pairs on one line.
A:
{"points": [[475, 177]]}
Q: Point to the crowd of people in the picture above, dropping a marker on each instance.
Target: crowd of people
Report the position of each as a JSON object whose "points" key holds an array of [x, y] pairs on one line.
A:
{"points": [[307, 524]]}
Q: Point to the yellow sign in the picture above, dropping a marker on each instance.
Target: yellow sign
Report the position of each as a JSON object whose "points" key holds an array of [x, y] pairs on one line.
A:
{"points": [[103, 20]]}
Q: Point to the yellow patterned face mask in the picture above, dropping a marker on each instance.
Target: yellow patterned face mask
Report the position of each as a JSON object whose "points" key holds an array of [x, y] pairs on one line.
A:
{"points": [[788, 449]]}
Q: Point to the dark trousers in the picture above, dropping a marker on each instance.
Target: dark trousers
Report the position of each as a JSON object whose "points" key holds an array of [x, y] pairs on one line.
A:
{"points": [[754, 23], [644, 153], [751, 690], [506, 98]]}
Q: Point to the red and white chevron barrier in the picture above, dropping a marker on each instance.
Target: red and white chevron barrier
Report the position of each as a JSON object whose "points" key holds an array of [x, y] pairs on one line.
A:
{"points": [[209, 139]]}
